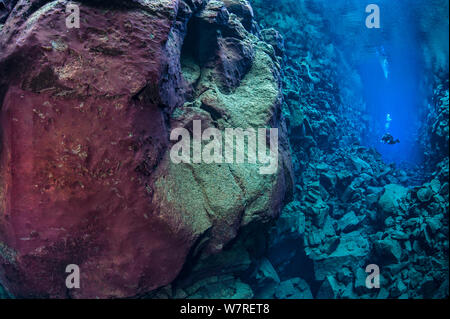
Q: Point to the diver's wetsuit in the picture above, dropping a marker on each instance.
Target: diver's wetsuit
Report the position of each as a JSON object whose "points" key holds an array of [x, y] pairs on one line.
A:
{"points": [[389, 139]]}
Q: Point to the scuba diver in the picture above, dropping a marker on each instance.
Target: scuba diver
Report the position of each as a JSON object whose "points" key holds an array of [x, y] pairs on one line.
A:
{"points": [[389, 139]]}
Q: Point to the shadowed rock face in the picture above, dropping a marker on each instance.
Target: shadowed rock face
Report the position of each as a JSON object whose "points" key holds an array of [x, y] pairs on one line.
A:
{"points": [[5, 8], [85, 173]]}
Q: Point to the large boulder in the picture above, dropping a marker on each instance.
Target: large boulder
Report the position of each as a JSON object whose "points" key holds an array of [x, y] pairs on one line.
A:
{"points": [[85, 172], [391, 200], [352, 252]]}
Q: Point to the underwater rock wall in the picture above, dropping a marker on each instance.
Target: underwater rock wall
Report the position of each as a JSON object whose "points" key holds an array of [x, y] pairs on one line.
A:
{"points": [[6, 7], [86, 115], [350, 208], [435, 130], [213, 230]]}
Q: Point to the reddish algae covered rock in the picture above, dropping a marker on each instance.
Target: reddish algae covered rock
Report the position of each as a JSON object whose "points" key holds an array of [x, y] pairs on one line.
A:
{"points": [[85, 176]]}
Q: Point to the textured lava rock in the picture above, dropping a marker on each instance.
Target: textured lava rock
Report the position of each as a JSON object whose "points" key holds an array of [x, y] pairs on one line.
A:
{"points": [[5, 8], [242, 9], [391, 199], [85, 173]]}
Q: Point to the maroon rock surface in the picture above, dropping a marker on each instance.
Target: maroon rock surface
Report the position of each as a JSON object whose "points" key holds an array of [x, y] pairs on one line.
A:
{"points": [[85, 124]]}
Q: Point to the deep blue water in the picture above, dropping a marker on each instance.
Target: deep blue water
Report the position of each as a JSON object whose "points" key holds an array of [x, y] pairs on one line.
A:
{"points": [[412, 40], [400, 94]]}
